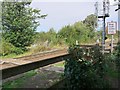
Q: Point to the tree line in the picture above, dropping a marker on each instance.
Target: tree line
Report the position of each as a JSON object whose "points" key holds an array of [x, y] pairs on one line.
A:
{"points": [[82, 31]]}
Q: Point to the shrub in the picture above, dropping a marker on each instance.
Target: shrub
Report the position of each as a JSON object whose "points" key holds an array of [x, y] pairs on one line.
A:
{"points": [[17, 51], [8, 48], [83, 72], [117, 54]]}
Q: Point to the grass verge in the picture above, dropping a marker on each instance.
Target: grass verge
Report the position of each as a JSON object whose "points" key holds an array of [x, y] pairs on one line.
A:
{"points": [[18, 82], [60, 64]]}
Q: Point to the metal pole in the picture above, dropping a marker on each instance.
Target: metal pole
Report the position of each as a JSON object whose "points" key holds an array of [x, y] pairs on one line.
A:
{"points": [[118, 39], [112, 43], [119, 26], [103, 33], [0, 41], [96, 13]]}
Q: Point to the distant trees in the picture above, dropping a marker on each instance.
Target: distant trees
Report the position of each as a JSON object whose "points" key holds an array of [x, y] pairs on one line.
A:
{"points": [[91, 22], [51, 37], [19, 23], [67, 34], [77, 31], [41, 37], [82, 31]]}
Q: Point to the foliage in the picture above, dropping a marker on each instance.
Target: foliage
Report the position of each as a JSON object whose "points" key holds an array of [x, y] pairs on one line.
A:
{"points": [[8, 48], [77, 31], [83, 71], [19, 23], [91, 22], [111, 69], [41, 37], [51, 37], [117, 54], [82, 31], [68, 34], [99, 60]]}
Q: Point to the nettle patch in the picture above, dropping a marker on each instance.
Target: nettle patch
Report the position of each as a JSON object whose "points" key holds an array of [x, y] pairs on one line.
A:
{"points": [[85, 68]]}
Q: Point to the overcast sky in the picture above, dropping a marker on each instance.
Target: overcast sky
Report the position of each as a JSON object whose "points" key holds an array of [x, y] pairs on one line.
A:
{"points": [[61, 13]]}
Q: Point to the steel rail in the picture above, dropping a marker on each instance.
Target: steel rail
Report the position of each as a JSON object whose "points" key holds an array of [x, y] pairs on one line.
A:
{"points": [[19, 69]]}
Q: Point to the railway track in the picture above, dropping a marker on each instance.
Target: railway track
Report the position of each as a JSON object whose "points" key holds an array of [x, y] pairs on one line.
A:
{"points": [[7, 63], [15, 66]]}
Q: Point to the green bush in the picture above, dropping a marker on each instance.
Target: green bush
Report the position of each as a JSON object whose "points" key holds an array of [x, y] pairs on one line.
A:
{"points": [[117, 54], [7, 48], [18, 51], [81, 72]]}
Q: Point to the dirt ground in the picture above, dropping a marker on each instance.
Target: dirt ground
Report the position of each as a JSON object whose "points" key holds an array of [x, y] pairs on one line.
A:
{"points": [[44, 78]]}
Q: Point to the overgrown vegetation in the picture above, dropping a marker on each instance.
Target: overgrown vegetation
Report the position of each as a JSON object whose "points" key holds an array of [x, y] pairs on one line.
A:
{"points": [[86, 68], [117, 54], [8, 48], [111, 69]]}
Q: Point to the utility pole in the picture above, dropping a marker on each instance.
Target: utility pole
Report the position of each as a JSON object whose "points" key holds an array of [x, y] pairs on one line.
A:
{"points": [[118, 9], [119, 36], [105, 14], [103, 33], [96, 12], [119, 22]]}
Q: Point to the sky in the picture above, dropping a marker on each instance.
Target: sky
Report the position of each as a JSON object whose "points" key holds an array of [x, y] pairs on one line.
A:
{"points": [[61, 12]]}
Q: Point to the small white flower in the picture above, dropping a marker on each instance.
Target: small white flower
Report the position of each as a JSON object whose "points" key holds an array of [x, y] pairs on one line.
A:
{"points": [[91, 60], [80, 60], [84, 53]]}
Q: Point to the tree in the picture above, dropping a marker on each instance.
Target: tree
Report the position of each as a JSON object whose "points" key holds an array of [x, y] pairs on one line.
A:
{"points": [[78, 31], [67, 34], [19, 23], [51, 34], [91, 22]]}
